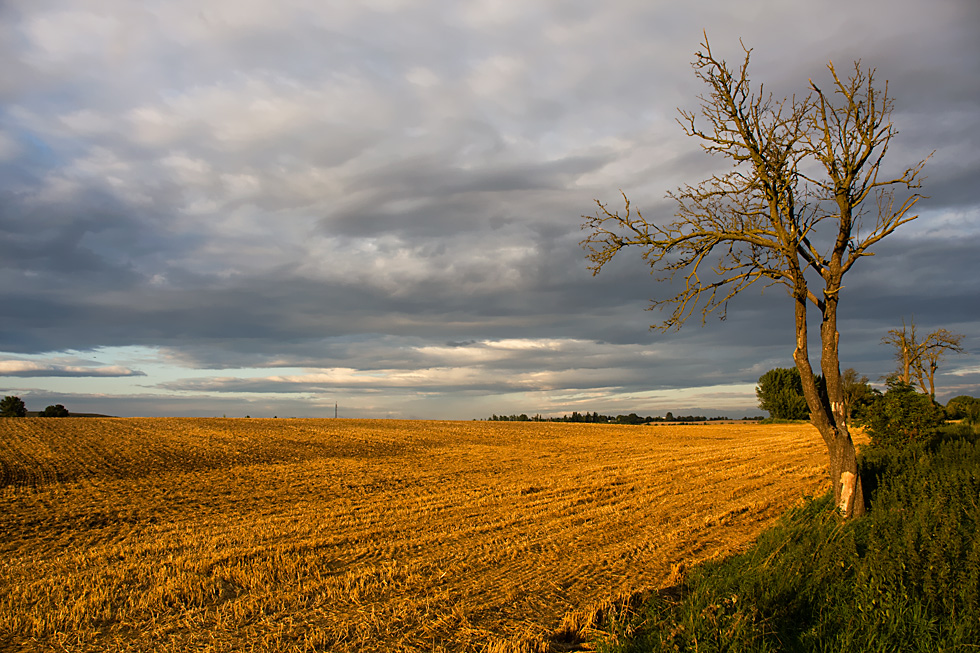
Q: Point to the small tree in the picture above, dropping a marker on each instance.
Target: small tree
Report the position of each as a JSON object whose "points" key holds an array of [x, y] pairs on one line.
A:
{"points": [[780, 392], [54, 411], [858, 393], [791, 211], [12, 406]]}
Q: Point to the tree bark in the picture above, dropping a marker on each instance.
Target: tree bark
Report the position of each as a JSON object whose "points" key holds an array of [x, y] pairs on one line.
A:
{"points": [[830, 421]]}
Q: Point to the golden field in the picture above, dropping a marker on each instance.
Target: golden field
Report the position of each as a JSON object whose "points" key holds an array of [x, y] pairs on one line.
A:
{"points": [[167, 534]]}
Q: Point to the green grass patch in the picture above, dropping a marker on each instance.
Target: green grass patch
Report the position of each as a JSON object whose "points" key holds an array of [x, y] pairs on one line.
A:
{"points": [[905, 577]]}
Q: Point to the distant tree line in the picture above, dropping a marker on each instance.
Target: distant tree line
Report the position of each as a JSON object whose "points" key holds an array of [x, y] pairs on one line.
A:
{"points": [[596, 418]]}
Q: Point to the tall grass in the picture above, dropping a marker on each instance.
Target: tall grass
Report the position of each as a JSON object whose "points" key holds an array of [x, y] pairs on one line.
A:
{"points": [[906, 577]]}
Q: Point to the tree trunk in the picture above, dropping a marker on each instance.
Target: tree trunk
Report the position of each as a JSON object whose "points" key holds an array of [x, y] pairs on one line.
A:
{"points": [[906, 364], [848, 493], [830, 421]]}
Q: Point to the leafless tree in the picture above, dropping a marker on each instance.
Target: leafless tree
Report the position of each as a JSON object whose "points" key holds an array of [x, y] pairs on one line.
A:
{"points": [[906, 351], [791, 211], [919, 360]]}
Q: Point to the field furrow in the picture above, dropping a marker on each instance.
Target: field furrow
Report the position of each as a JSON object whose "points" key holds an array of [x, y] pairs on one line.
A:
{"points": [[356, 535]]}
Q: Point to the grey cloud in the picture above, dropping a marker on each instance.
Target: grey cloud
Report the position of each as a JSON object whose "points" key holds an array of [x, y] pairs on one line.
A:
{"points": [[306, 189], [15, 368], [422, 198]]}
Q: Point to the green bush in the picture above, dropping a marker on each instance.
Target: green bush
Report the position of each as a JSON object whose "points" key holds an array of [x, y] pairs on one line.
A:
{"points": [[902, 416], [54, 411], [905, 577]]}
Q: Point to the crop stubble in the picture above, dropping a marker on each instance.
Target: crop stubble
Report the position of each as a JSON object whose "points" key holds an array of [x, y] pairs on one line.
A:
{"points": [[362, 535]]}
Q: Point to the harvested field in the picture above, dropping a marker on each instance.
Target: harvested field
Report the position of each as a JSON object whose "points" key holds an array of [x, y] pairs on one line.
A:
{"points": [[361, 535]]}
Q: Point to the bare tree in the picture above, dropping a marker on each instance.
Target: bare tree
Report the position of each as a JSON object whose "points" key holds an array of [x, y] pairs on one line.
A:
{"points": [[906, 350], [790, 212], [919, 360], [935, 347]]}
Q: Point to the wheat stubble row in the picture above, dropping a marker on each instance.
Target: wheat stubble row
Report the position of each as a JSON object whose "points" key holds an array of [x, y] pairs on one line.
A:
{"points": [[356, 535]]}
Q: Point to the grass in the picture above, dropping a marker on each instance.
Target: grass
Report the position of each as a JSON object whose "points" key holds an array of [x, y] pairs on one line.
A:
{"points": [[355, 535], [905, 577]]}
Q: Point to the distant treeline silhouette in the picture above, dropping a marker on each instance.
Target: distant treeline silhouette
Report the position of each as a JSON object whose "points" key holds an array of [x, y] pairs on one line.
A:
{"points": [[596, 418]]}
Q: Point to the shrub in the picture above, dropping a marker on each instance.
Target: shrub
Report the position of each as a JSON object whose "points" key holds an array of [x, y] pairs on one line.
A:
{"points": [[54, 411], [902, 415]]}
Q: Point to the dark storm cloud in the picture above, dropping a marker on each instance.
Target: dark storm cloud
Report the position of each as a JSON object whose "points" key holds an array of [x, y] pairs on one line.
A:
{"points": [[285, 187], [421, 198]]}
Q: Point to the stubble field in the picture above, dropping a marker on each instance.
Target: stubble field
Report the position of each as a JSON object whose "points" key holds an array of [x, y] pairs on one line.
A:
{"points": [[361, 535]]}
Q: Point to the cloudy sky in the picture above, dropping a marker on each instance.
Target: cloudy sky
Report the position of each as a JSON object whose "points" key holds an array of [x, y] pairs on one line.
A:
{"points": [[266, 208]]}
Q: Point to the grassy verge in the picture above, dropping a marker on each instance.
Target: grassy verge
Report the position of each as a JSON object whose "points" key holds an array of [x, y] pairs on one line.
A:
{"points": [[904, 577]]}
